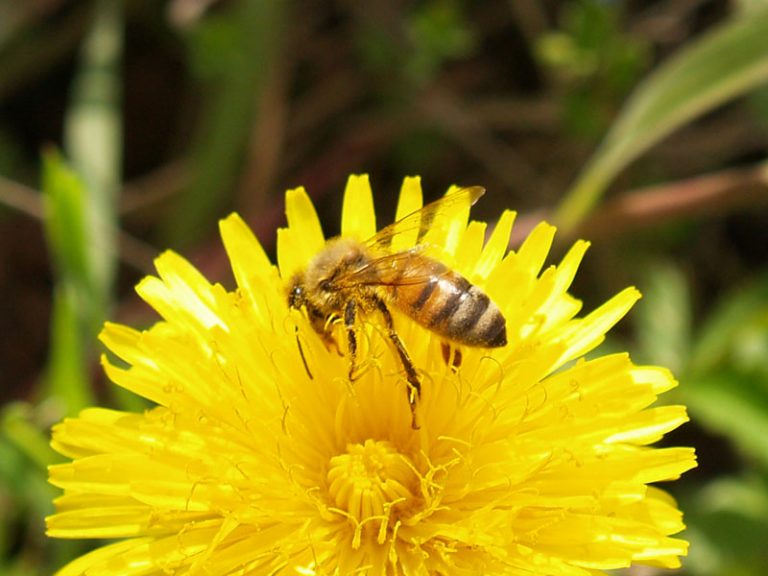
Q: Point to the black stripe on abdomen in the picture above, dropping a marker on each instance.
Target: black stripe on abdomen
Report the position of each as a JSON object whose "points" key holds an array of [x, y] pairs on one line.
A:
{"points": [[467, 315], [424, 295], [457, 290]]}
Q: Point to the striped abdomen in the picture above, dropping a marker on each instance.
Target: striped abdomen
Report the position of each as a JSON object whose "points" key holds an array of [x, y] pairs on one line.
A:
{"points": [[448, 304]]}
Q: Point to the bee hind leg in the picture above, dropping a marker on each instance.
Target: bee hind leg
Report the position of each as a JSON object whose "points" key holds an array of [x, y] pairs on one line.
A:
{"points": [[414, 383], [452, 360]]}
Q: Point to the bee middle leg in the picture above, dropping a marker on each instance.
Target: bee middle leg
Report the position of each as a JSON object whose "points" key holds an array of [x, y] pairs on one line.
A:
{"points": [[410, 370]]}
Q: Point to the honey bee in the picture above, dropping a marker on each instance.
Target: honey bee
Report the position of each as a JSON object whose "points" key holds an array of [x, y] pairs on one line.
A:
{"points": [[349, 279]]}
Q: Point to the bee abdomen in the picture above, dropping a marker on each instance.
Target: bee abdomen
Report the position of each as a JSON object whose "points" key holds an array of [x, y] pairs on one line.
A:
{"points": [[476, 321], [454, 308]]}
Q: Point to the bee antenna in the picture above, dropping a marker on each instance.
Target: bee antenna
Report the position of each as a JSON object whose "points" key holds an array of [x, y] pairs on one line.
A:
{"points": [[301, 353]]}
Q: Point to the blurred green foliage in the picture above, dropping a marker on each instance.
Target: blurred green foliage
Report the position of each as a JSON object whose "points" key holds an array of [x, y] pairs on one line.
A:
{"points": [[722, 364], [437, 33], [596, 61], [407, 56], [235, 54], [455, 90]]}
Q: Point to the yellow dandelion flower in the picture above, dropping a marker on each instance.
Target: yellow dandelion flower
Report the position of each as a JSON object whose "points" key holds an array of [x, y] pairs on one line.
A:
{"points": [[529, 458]]}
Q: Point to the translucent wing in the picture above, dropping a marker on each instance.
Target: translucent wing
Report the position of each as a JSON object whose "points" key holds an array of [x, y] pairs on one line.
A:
{"points": [[435, 215], [409, 267], [396, 269]]}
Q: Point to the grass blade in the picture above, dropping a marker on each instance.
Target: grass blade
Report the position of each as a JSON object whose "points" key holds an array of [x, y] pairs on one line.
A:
{"points": [[93, 136], [65, 227], [80, 204], [723, 64]]}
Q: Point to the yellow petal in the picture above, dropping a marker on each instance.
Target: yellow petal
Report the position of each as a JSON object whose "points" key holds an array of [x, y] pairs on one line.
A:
{"points": [[535, 248], [358, 218], [303, 238], [587, 333], [411, 200], [99, 561], [497, 245], [245, 252], [469, 248]]}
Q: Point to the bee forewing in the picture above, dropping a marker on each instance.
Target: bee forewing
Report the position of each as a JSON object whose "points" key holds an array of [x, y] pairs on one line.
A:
{"points": [[435, 218], [392, 270]]}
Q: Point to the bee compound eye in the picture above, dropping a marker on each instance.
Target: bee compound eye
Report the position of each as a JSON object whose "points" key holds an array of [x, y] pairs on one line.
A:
{"points": [[296, 296]]}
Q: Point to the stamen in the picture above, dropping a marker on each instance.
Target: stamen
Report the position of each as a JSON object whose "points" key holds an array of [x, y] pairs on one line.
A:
{"points": [[369, 484]]}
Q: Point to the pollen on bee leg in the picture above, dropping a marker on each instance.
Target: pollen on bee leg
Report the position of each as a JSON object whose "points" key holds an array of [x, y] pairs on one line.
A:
{"points": [[414, 394]]}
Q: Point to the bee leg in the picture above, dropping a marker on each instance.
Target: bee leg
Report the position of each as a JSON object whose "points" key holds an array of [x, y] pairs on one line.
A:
{"points": [[410, 371], [454, 362], [323, 325], [330, 342], [350, 314]]}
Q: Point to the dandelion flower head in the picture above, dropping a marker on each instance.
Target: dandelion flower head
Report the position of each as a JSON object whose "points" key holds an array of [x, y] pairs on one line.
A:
{"points": [[529, 459]]}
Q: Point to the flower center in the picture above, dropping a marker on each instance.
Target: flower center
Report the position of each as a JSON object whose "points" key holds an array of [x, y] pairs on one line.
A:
{"points": [[369, 481]]}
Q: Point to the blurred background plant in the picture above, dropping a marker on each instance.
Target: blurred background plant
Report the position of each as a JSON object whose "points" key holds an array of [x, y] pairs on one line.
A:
{"points": [[129, 127]]}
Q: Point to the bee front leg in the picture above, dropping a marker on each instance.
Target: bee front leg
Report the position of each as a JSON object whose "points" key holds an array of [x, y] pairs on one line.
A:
{"points": [[350, 317], [323, 326], [410, 371]]}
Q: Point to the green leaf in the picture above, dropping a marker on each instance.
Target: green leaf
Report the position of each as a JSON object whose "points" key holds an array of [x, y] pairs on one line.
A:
{"points": [[65, 206], [66, 372], [663, 317], [93, 136], [80, 202], [728, 61], [744, 312], [72, 323], [732, 404]]}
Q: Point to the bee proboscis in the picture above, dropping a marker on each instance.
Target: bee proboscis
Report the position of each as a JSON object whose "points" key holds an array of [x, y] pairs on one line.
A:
{"points": [[349, 278]]}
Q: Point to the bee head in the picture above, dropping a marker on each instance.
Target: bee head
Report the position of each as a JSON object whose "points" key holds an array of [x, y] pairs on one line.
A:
{"points": [[297, 297], [297, 294]]}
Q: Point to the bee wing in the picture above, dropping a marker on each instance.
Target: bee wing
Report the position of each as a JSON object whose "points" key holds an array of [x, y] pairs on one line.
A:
{"points": [[436, 215], [396, 269]]}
